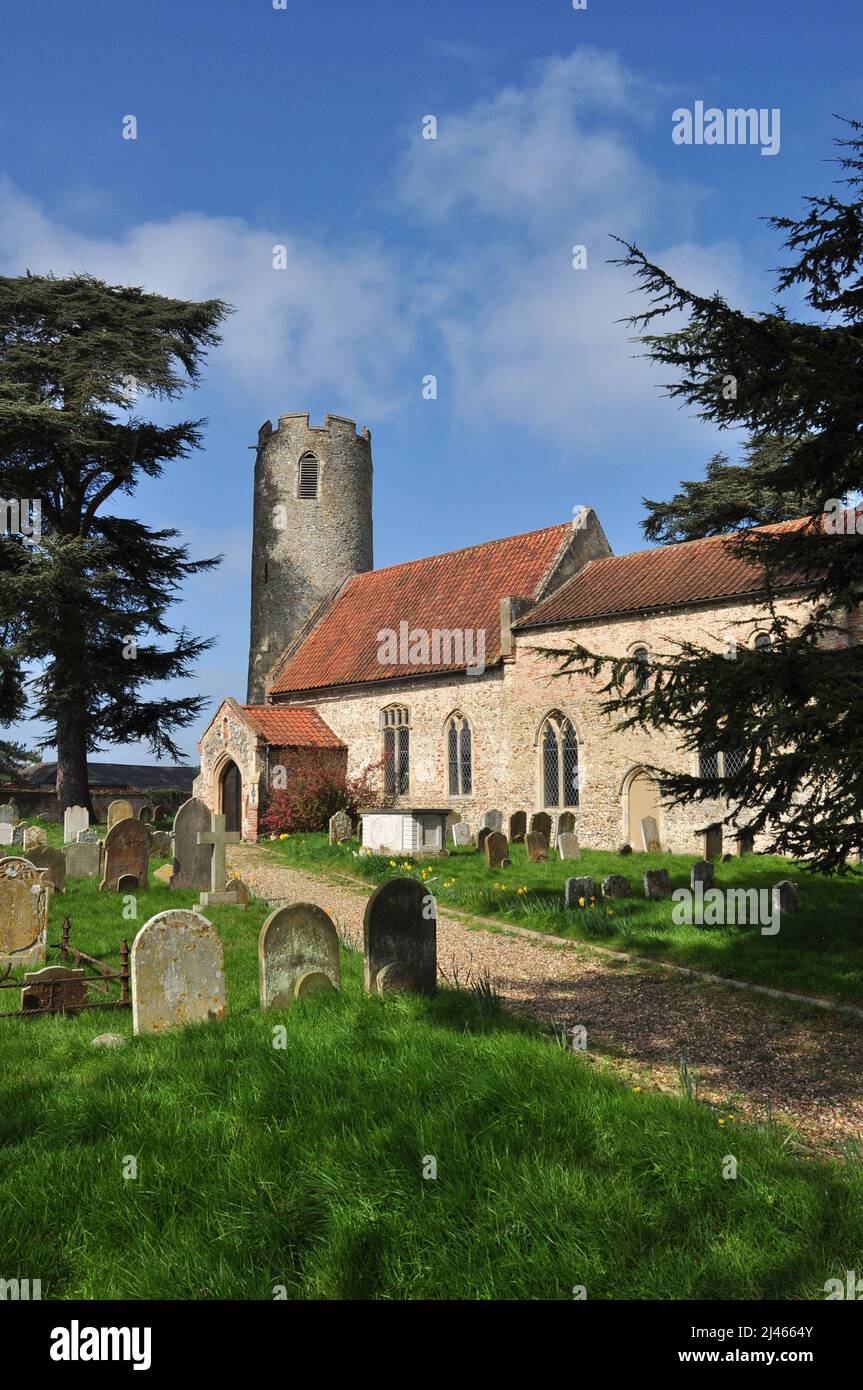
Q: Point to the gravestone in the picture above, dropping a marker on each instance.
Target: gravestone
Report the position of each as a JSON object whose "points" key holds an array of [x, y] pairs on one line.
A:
{"points": [[75, 818], [341, 828], [650, 835], [88, 837], [83, 860], [298, 954], [625, 849], [400, 938], [577, 888], [461, 834], [160, 843], [496, 850], [615, 886], [160, 813], [712, 842], [656, 883], [54, 860], [566, 823], [481, 837], [537, 846], [239, 887], [6, 831], [745, 842], [127, 852], [192, 862], [8, 812], [24, 895], [517, 827], [540, 823], [568, 846], [145, 814], [119, 810], [34, 835], [219, 838], [702, 872], [18, 834], [163, 874], [784, 897], [57, 987], [493, 820], [178, 972]]}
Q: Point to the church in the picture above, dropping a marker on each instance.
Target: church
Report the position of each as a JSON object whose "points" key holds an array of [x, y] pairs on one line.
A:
{"points": [[442, 670]]}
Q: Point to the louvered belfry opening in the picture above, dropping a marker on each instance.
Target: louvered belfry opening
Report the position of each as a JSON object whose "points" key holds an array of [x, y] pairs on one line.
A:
{"points": [[307, 484]]}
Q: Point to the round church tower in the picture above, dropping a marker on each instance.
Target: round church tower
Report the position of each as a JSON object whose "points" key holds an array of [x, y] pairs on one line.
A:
{"points": [[312, 528]]}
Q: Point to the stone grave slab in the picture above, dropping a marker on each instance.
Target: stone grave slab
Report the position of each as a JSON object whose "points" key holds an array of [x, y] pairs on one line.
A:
{"points": [[400, 938], [178, 972]]}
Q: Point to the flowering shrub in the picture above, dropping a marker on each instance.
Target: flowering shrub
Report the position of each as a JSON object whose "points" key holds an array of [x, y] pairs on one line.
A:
{"points": [[317, 787]]}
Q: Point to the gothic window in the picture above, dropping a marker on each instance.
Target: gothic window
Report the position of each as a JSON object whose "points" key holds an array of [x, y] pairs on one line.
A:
{"points": [[558, 749], [458, 749], [395, 730], [708, 763], [641, 657], [307, 477], [734, 762]]}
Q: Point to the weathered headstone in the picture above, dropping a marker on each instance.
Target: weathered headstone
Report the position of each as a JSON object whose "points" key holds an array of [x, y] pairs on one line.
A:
{"points": [[578, 888], [712, 842], [461, 834], [145, 814], [83, 860], [164, 874], [400, 938], [160, 813], [192, 862], [119, 810], [127, 883], [18, 834], [341, 827], [6, 832], [650, 835], [625, 849], [566, 823], [298, 954], [656, 883], [54, 860], [702, 872], [24, 895], [57, 987], [34, 835], [496, 850], [178, 972], [75, 818], [127, 852], [160, 843], [481, 836], [536, 845], [540, 823], [784, 897], [568, 846], [8, 812], [615, 886], [517, 827], [219, 838], [87, 837], [745, 842], [493, 820]]}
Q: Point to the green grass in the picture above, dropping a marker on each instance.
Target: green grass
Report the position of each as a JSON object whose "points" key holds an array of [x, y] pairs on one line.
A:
{"points": [[302, 1167], [817, 951]]}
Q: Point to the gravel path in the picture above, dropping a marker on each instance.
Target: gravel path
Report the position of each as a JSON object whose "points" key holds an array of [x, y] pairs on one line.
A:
{"points": [[753, 1054]]}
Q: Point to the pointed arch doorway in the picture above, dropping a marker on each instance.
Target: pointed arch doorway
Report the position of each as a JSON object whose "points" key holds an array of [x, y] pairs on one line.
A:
{"points": [[231, 796], [642, 801]]}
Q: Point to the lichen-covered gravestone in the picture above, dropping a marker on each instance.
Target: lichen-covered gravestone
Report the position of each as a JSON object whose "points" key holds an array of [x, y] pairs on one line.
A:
{"points": [[702, 872], [87, 837], [178, 972], [568, 846], [615, 886], [565, 823], [34, 835], [298, 954], [578, 889], [6, 832], [656, 883], [24, 894], [400, 938], [517, 827], [461, 835], [18, 834], [496, 850], [493, 820], [192, 862], [83, 860], [54, 860], [341, 827], [75, 819], [8, 812], [127, 854], [119, 810], [536, 845], [540, 824], [650, 835]]}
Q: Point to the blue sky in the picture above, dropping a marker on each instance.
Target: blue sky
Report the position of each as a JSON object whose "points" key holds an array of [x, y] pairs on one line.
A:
{"points": [[408, 257]]}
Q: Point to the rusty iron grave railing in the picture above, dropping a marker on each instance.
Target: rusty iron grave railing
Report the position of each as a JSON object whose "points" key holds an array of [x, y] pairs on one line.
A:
{"points": [[57, 989]]}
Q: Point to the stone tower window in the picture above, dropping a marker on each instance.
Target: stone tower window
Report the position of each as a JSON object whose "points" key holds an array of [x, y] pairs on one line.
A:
{"points": [[459, 756], [307, 477], [558, 748], [395, 731]]}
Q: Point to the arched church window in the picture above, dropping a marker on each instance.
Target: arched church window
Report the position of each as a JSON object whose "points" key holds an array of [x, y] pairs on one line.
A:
{"points": [[395, 735], [708, 763], [558, 748], [459, 755], [307, 477], [641, 657]]}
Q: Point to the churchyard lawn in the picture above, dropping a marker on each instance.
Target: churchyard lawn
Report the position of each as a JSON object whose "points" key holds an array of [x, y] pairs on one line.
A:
{"points": [[817, 951], [300, 1170]]}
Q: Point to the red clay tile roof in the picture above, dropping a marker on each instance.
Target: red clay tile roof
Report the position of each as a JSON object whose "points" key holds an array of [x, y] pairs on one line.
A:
{"points": [[291, 727], [666, 576], [459, 590]]}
